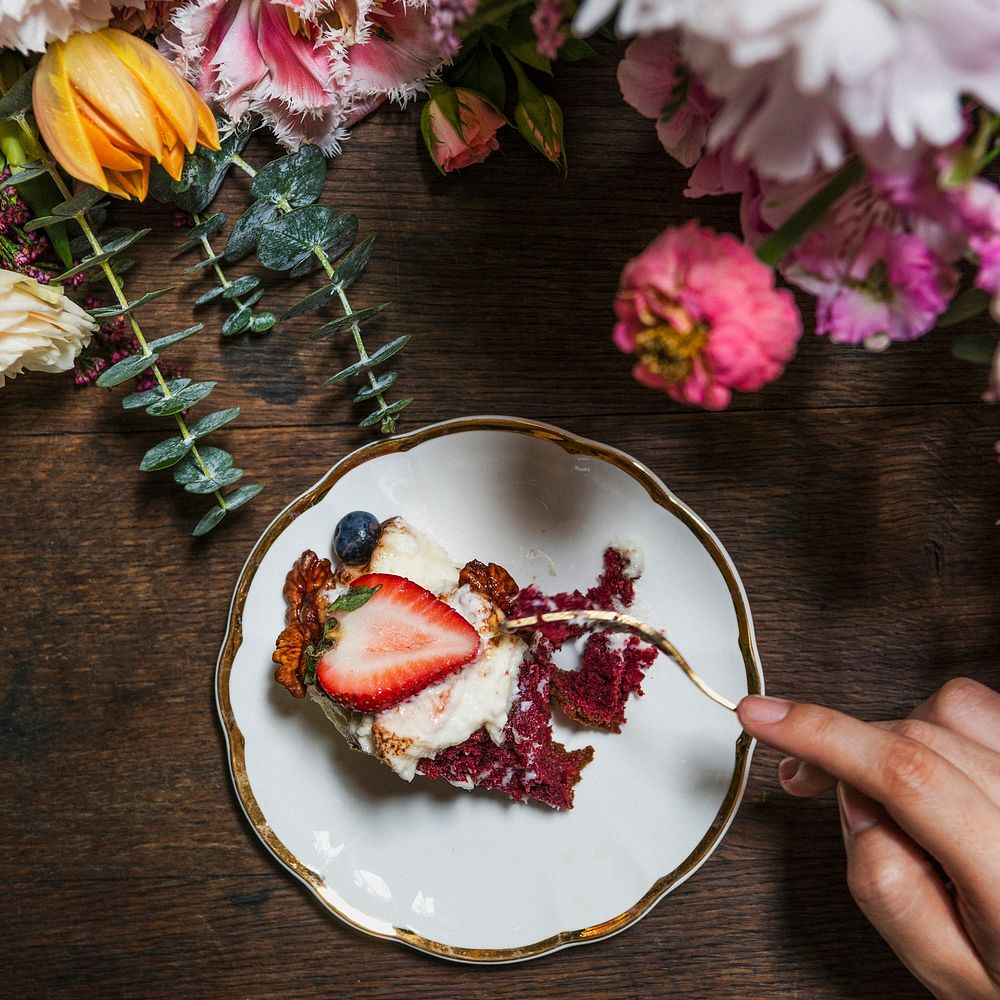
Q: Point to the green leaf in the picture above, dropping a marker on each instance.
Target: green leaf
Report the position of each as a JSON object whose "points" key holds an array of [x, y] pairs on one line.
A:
{"points": [[246, 230], [181, 400], [41, 222], [83, 202], [211, 295], [110, 312], [977, 348], [253, 298], [172, 338], [482, 72], [331, 329], [17, 100], [202, 264], [314, 300], [353, 598], [243, 285], [125, 369], [165, 454], [111, 248], [209, 521], [971, 302], [447, 103], [296, 178], [371, 390], [137, 400], [576, 49], [386, 415], [28, 172], [343, 233], [522, 43], [292, 238], [221, 471], [263, 322], [237, 322], [217, 460], [209, 227], [242, 495], [372, 361], [213, 421], [354, 263]]}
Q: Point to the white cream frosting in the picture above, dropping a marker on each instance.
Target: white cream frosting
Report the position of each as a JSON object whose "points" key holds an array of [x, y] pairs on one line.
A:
{"points": [[449, 711]]}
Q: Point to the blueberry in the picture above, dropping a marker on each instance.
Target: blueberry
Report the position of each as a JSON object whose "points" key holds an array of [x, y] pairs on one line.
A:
{"points": [[355, 536]]}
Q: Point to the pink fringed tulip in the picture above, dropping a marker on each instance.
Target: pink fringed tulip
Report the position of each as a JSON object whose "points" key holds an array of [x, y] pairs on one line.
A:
{"points": [[702, 316], [472, 140]]}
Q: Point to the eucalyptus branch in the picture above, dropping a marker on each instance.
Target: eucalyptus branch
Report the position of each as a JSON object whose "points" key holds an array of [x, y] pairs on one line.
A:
{"points": [[198, 471]]}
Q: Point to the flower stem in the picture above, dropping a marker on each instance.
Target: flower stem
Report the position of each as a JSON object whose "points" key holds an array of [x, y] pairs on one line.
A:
{"points": [[116, 287], [790, 233]]}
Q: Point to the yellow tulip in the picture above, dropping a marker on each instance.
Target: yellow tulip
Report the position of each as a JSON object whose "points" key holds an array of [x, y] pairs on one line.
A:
{"points": [[107, 103]]}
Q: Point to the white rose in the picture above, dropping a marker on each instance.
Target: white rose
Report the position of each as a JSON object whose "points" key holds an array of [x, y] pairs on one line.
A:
{"points": [[40, 329]]}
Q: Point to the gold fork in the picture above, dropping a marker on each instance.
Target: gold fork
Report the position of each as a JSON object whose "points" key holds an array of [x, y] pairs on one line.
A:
{"points": [[615, 621]]}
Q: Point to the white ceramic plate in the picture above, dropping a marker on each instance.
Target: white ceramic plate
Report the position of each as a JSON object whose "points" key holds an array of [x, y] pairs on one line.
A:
{"points": [[473, 876]]}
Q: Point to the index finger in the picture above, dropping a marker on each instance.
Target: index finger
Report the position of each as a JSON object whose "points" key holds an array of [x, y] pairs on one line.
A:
{"points": [[930, 798]]}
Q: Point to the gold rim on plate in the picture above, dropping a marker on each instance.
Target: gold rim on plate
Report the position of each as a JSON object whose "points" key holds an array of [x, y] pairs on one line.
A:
{"points": [[574, 445]]}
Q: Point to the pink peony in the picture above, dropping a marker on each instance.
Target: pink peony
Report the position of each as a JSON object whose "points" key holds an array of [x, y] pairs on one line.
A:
{"points": [[703, 317], [479, 120], [655, 81], [891, 287]]}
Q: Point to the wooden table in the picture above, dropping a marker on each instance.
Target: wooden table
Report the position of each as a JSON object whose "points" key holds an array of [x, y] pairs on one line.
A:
{"points": [[857, 497]]}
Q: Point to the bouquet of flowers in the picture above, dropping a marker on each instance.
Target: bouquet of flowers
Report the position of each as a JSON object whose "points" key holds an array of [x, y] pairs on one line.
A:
{"points": [[858, 134]]}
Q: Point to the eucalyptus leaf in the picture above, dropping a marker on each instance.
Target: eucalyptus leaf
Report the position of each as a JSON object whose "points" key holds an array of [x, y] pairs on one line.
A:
{"points": [[370, 391], [373, 360], [316, 299], [238, 322], [209, 521], [110, 312], [343, 233], [202, 264], [213, 421], [17, 100], [253, 298], [205, 229], [217, 461], [181, 400], [216, 292], [354, 263], [246, 230], [341, 323], [296, 178], [165, 454], [137, 400], [263, 322], [26, 173], [214, 483], [172, 338], [125, 369], [242, 495], [287, 241], [111, 248], [83, 202], [386, 413], [243, 285], [41, 222]]}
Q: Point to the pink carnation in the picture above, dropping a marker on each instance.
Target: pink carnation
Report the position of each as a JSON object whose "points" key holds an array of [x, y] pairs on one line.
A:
{"points": [[703, 317], [656, 82]]}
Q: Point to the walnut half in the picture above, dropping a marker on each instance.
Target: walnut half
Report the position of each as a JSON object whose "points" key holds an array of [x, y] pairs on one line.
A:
{"points": [[492, 581], [305, 590]]}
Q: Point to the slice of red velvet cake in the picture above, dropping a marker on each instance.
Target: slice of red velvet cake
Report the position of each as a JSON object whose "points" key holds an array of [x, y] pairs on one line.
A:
{"points": [[405, 654]]}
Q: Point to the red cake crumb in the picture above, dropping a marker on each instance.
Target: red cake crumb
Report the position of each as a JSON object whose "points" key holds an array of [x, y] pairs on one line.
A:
{"points": [[529, 763], [597, 693]]}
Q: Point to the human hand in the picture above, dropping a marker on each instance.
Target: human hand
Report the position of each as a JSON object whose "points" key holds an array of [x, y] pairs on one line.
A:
{"points": [[925, 785]]}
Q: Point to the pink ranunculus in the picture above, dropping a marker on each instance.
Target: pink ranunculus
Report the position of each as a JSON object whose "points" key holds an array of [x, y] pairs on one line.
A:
{"points": [[702, 316], [480, 122], [656, 82]]}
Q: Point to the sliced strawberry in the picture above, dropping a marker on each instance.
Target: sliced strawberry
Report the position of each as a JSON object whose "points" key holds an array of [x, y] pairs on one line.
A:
{"points": [[397, 643]]}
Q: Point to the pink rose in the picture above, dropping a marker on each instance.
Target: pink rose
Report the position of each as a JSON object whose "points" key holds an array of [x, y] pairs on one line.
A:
{"points": [[702, 316], [452, 148]]}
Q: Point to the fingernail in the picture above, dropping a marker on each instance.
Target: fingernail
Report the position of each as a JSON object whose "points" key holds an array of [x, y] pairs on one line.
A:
{"points": [[788, 768], [858, 811], [763, 711]]}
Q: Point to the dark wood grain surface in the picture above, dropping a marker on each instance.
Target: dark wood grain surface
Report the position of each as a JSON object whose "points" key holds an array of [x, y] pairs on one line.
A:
{"points": [[857, 497]]}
